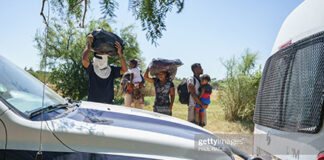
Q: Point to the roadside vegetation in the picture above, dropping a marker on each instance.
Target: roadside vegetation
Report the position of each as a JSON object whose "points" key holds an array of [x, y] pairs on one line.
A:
{"points": [[238, 91]]}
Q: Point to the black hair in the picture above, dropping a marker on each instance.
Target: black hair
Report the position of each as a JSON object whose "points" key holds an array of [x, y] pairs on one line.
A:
{"points": [[194, 66], [167, 75], [133, 61], [205, 77]]}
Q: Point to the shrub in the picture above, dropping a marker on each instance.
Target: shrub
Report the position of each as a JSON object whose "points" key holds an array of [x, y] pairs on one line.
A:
{"points": [[237, 93]]}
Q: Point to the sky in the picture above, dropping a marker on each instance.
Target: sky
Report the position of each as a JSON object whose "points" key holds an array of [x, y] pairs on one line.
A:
{"points": [[206, 31]]}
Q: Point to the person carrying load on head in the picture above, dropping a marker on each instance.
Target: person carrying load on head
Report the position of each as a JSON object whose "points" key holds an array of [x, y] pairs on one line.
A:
{"points": [[164, 71], [164, 90], [101, 75]]}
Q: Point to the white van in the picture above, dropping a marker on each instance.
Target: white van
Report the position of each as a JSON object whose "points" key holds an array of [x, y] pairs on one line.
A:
{"points": [[289, 107]]}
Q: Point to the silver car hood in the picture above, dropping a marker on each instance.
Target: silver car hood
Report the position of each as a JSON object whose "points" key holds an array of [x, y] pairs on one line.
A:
{"points": [[111, 129]]}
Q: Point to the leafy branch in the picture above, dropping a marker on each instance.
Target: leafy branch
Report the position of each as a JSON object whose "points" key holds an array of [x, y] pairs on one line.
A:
{"points": [[42, 13], [151, 13]]}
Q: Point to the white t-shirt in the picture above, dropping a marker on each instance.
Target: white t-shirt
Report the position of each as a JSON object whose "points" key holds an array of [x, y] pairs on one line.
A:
{"points": [[137, 75], [192, 80]]}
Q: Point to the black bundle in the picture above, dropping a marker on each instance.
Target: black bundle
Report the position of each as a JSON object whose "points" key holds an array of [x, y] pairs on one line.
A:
{"points": [[164, 65], [104, 42]]}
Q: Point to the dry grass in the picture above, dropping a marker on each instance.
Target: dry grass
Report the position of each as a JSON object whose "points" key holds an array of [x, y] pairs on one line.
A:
{"points": [[216, 122]]}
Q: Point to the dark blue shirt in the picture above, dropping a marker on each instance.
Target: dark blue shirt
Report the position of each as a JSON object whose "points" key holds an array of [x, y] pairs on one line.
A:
{"points": [[101, 90], [208, 88]]}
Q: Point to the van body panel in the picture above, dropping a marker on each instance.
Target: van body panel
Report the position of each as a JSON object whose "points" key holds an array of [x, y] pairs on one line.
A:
{"points": [[305, 22], [307, 19], [286, 145]]}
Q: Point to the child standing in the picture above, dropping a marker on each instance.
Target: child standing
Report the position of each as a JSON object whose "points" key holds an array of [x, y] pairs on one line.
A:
{"points": [[205, 91]]}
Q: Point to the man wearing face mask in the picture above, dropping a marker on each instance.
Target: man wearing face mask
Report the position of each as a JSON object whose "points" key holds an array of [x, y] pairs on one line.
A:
{"points": [[101, 75]]}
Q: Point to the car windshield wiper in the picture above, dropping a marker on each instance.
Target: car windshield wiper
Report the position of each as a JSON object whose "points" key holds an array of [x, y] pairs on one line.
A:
{"points": [[47, 109]]}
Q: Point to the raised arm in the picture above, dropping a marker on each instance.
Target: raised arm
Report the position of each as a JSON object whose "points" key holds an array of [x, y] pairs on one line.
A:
{"points": [[121, 58], [86, 52], [172, 95], [146, 76]]}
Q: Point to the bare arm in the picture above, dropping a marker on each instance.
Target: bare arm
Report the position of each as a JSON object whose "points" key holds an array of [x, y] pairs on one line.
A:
{"points": [[131, 77], [86, 52], [131, 81], [202, 92], [122, 88], [121, 58], [172, 94], [192, 91], [146, 76]]}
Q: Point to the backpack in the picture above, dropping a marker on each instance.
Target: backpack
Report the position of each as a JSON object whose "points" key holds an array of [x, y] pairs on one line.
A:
{"points": [[183, 92]]}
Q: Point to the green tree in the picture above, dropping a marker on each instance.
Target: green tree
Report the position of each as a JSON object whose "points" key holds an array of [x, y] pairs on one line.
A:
{"points": [[237, 93], [62, 56], [151, 13]]}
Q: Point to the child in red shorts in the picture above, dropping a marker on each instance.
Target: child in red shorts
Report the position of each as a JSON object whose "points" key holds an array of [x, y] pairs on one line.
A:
{"points": [[205, 91]]}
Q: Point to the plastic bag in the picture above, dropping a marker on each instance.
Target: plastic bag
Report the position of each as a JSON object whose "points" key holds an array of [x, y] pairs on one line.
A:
{"points": [[104, 42], [164, 65]]}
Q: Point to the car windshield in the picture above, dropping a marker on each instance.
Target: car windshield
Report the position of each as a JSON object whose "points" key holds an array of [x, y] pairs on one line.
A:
{"points": [[22, 90]]}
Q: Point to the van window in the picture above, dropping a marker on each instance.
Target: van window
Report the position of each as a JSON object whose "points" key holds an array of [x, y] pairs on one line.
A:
{"points": [[290, 96]]}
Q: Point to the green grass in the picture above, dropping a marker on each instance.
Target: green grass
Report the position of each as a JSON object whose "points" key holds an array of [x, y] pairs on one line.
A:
{"points": [[216, 122]]}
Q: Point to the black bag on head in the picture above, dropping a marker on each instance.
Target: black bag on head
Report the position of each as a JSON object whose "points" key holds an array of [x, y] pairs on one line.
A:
{"points": [[159, 65], [183, 92], [104, 42]]}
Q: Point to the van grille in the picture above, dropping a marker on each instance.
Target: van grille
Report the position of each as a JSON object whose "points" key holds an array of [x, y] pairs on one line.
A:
{"points": [[290, 96]]}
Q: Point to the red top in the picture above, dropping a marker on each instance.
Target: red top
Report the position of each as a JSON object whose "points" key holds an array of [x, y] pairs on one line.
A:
{"points": [[129, 89], [206, 95]]}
